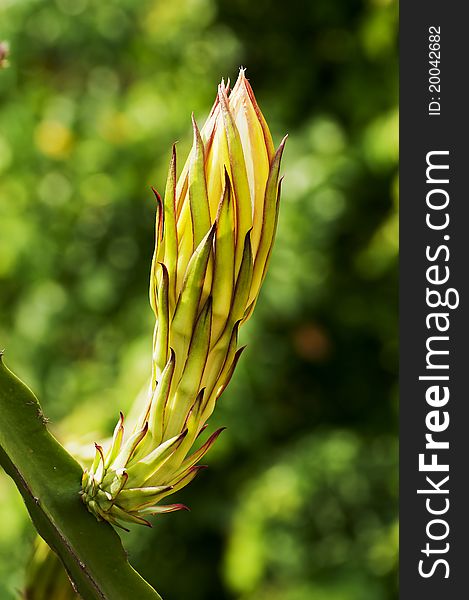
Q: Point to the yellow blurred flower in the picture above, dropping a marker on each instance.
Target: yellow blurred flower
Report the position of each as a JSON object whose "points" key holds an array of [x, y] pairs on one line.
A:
{"points": [[53, 139]]}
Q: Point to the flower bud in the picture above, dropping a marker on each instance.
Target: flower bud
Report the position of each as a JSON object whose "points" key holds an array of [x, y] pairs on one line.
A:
{"points": [[215, 228]]}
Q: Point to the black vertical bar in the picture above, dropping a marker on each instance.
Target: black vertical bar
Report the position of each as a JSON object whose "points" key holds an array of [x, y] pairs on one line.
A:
{"points": [[422, 130]]}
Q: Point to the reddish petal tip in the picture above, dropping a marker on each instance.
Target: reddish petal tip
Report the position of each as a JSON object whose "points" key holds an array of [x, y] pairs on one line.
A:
{"points": [[157, 195]]}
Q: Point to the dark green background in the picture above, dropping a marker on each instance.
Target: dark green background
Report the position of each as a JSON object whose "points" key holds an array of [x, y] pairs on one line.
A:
{"points": [[299, 502]]}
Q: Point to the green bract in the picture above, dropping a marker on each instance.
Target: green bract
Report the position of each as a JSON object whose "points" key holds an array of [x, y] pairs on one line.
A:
{"points": [[214, 233]]}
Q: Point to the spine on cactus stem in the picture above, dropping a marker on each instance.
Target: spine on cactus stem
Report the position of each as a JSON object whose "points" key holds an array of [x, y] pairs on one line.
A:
{"points": [[215, 227]]}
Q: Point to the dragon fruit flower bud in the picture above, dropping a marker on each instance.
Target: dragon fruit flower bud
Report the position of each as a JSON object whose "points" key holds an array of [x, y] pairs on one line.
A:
{"points": [[215, 228]]}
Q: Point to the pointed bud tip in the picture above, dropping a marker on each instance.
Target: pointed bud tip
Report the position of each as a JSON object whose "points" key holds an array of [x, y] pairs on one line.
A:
{"points": [[99, 449], [195, 127], [156, 193], [241, 75], [223, 96], [211, 231], [215, 434], [164, 269]]}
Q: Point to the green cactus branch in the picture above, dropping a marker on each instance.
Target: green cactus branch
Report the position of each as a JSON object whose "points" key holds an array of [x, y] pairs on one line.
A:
{"points": [[49, 481]]}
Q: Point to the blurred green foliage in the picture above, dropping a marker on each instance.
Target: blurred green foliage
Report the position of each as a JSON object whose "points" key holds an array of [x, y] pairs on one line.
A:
{"points": [[299, 502]]}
